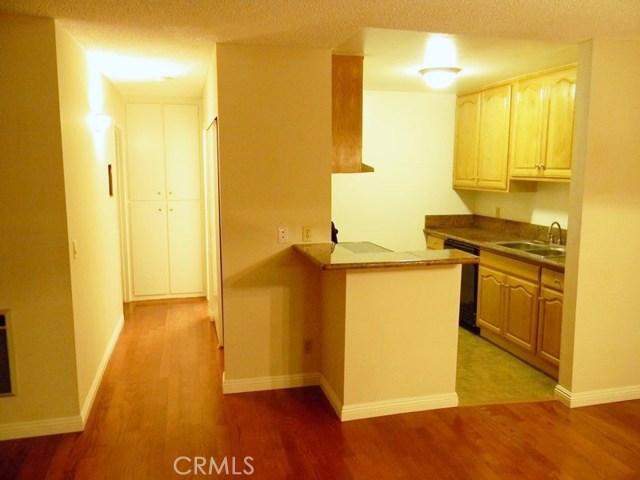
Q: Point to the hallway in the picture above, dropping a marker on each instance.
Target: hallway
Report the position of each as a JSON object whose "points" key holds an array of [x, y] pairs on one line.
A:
{"points": [[160, 408]]}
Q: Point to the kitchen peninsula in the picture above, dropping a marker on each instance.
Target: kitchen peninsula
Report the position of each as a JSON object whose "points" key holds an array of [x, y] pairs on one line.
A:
{"points": [[389, 330]]}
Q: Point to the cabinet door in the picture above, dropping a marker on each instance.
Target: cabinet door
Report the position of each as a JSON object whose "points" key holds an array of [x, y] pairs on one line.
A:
{"points": [[145, 152], [490, 293], [467, 138], [149, 248], [527, 131], [550, 325], [561, 93], [185, 247], [494, 138], [182, 151], [521, 312]]}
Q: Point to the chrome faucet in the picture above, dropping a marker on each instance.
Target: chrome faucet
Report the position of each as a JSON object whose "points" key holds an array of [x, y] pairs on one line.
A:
{"points": [[551, 237]]}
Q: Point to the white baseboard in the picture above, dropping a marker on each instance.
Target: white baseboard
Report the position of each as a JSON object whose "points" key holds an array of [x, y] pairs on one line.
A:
{"points": [[91, 396], [596, 397], [398, 405], [345, 413], [269, 383], [50, 426], [385, 407], [76, 423], [331, 395]]}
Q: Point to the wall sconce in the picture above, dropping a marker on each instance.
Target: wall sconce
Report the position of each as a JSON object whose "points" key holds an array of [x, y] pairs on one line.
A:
{"points": [[99, 122], [439, 77]]}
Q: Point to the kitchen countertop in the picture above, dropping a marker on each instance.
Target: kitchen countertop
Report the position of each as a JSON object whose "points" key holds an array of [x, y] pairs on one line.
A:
{"points": [[482, 234], [359, 255]]}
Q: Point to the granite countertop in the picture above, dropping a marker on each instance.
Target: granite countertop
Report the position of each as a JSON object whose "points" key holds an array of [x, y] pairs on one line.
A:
{"points": [[359, 255], [483, 231]]}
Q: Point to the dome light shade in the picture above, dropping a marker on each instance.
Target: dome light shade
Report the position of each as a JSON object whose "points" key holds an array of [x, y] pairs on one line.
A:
{"points": [[439, 77]]}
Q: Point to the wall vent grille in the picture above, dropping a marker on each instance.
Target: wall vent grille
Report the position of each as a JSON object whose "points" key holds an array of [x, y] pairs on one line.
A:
{"points": [[5, 368]]}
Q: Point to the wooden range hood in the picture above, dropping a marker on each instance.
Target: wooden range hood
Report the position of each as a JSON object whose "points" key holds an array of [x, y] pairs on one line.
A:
{"points": [[347, 74]]}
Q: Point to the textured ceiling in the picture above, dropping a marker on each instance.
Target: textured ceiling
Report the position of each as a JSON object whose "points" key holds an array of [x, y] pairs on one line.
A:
{"points": [[185, 30]]}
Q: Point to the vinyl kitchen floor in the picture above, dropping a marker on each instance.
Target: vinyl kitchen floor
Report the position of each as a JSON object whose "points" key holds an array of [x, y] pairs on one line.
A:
{"points": [[489, 375]]}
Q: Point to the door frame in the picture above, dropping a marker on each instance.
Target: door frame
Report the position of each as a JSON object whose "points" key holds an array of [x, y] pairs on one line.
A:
{"points": [[213, 228]]}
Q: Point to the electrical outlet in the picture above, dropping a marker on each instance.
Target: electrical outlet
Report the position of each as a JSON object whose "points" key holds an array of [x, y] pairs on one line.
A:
{"points": [[307, 346], [306, 234], [283, 235]]}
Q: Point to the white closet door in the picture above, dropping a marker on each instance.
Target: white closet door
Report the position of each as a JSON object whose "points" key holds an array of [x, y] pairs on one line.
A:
{"points": [[185, 247], [182, 151], [149, 248], [145, 149]]}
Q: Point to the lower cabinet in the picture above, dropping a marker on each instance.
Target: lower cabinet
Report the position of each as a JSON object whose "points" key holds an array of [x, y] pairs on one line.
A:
{"points": [[520, 308], [550, 316], [435, 243]]}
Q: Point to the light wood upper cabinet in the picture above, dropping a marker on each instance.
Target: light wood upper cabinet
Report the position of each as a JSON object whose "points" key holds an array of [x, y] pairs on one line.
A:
{"points": [[542, 129], [465, 164], [482, 140], [493, 156], [562, 89], [528, 119], [346, 89]]}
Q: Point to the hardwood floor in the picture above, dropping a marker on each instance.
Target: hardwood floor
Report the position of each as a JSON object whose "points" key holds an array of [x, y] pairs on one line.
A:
{"points": [[161, 400]]}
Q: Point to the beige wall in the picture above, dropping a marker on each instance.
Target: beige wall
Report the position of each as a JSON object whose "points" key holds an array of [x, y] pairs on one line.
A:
{"points": [[601, 337], [35, 275], [210, 92], [408, 139], [275, 148], [65, 311], [92, 214], [549, 203], [401, 333], [389, 339]]}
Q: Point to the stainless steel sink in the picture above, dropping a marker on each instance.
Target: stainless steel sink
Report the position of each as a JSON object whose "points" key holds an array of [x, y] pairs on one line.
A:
{"points": [[547, 252], [522, 244], [535, 247]]}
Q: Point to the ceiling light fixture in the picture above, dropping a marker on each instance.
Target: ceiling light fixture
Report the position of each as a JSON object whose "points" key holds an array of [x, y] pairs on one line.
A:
{"points": [[439, 77]]}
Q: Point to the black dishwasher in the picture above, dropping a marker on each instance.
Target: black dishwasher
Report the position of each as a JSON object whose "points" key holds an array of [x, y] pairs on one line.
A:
{"points": [[468, 286]]}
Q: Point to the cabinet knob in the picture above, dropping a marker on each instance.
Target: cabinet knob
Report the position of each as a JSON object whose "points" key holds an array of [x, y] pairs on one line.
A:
{"points": [[159, 193], [159, 209], [556, 281]]}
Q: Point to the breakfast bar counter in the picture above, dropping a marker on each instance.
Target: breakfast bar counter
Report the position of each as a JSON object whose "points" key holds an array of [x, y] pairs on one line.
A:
{"points": [[389, 331], [356, 255]]}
